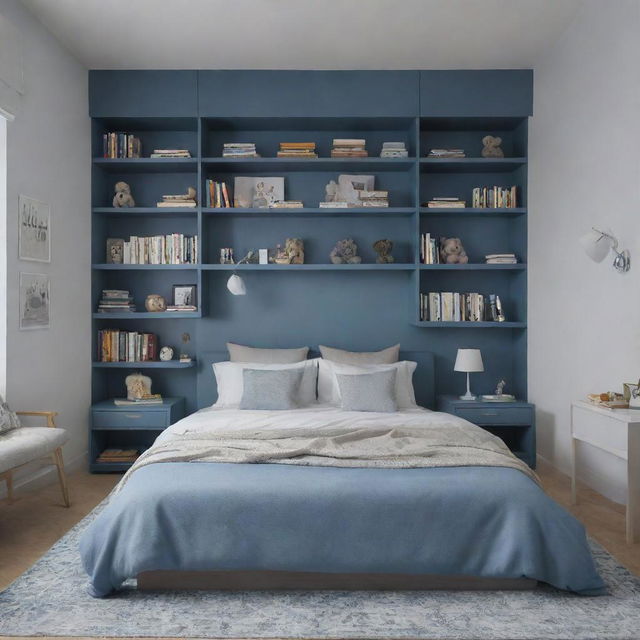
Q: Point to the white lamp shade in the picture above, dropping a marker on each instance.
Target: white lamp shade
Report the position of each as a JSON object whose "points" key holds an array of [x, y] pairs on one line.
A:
{"points": [[235, 284], [469, 360], [595, 245]]}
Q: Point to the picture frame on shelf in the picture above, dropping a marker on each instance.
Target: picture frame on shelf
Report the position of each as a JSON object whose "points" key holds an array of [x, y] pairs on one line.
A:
{"points": [[256, 192], [34, 300], [34, 229], [185, 295], [115, 251]]}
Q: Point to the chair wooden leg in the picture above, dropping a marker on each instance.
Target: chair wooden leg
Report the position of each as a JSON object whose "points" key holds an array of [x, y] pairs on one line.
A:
{"points": [[8, 478], [57, 456]]}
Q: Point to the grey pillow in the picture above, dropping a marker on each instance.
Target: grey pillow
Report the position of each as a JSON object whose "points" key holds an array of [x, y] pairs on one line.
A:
{"points": [[386, 356], [368, 391], [8, 419], [240, 353], [272, 389]]}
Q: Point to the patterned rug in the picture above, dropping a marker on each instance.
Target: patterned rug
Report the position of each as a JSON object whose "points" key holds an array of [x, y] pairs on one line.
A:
{"points": [[51, 599]]}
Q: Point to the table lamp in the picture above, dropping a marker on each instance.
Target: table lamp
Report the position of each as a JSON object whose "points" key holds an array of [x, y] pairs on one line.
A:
{"points": [[468, 361]]}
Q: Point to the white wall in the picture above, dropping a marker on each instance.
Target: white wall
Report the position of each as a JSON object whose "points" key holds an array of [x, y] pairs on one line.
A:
{"points": [[48, 157], [584, 318]]}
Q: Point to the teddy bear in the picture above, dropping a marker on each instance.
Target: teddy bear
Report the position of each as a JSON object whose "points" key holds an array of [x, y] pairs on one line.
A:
{"points": [[345, 252], [383, 248], [123, 197], [491, 148], [293, 252], [452, 251]]}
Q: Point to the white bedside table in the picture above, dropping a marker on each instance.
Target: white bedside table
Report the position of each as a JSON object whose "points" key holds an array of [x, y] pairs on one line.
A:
{"points": [[616, 431]]}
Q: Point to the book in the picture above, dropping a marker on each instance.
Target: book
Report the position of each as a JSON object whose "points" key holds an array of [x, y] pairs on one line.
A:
{"points": [[446, 204], [349, 142], [173, 248], [176, 203], [333, 205], [287, 204], [119, 144], [155, 398], [454, 306]]}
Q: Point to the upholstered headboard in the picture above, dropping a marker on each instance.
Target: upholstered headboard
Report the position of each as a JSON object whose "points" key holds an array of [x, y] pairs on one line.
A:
{"points": [[423, 378]]}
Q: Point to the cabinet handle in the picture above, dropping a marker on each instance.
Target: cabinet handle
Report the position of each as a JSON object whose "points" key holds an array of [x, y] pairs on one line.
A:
{"points": [[133, 416]]}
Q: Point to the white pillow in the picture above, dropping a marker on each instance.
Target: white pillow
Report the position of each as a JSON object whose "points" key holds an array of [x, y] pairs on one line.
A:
{"points": [[329, 390], [229, 377], [361, 358], [240, 353]]}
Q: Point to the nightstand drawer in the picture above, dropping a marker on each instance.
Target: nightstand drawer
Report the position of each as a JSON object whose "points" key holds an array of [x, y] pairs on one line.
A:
{"points": [[497, 415], [131, 419]]}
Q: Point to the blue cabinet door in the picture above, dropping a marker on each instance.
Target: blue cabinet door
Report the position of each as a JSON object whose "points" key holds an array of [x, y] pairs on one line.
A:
{"points": [[148, 94], [308, 93], [490, 93]]}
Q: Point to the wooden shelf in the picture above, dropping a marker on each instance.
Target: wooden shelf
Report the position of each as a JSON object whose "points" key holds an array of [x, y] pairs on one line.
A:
{"points": [[470, 325], [310, 267], [170, 364], [228, 165], [142, 315], [147, 165], [520, 266], [144, 267], [471, 165], [146, 211], [311, 212], [471, 211]]}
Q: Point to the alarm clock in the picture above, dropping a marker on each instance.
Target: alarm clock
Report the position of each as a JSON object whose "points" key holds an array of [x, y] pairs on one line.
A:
{"points": [[166, 353]]}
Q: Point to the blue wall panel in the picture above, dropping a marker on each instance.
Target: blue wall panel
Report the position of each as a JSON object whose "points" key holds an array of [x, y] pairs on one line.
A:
{"points": [[308, 93], [118, 94], [498, 93]]}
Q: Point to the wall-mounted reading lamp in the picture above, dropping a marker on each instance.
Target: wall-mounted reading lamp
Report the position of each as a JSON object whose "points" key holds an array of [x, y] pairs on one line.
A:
{"points": [[597, 244]]}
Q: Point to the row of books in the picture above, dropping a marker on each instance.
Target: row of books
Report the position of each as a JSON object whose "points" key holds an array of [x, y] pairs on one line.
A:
{"points": [[115, 345], [116, 300], [446, 153], [429, 249], [349, 148], [239, 150], [394, 150], [118, 455], [118, 144], [217, 195], [494, 197], [297, 150], [448, 306], [171, 153], [175, 248]]}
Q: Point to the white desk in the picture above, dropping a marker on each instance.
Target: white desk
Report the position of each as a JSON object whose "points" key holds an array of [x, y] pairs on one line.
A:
{"points": [[616, 431]]}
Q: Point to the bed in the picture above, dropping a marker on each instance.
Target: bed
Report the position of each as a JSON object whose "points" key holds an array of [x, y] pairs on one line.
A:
{"points": [[320, 497]]}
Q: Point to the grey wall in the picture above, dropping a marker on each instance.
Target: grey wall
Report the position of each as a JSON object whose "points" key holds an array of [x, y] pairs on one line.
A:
{"points": [[584, 171], [48, 158]]}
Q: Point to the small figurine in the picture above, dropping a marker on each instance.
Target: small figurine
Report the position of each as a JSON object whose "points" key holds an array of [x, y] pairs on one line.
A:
{"points": [[155, 302], [123, 197], [138, 386], [293, 252], [345, 252], [185, 357], [383, 248], [491, 147], [331, 191], [452, 251], [500, 387]]}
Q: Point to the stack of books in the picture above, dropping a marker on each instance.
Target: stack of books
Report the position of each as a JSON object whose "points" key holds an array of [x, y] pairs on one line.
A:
{"points": [[342, 204], [118, 455], [171, 153], [181, 307], [179, 200], [394, 150], [116, 300], [239, 150], [297, 150], [115, 345], [154, 398], [446, 203], [373, 198], [448, 306], [218, 195], [121, 145], [494, 197], [287, 204], [175, 248], [429, 249], [349, 148], [446, 153], [501, 258]]}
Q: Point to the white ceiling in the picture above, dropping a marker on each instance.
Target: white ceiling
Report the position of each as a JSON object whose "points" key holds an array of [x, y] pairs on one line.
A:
{"points": [[305, 34]]}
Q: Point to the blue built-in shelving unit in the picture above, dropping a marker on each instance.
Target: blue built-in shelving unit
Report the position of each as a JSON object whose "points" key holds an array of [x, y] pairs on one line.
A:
{"points": [[359, 307]]}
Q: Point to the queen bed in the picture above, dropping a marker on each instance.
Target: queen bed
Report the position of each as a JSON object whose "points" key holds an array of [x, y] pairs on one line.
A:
{"points": [[323, 496]]}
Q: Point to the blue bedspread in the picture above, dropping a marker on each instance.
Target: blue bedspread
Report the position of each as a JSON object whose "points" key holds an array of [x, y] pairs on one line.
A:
{"points": [[480, 521]]}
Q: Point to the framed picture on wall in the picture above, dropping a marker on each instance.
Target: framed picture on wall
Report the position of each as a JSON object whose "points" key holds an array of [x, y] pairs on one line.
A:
{"points": [[34, 220], [35, 291]]}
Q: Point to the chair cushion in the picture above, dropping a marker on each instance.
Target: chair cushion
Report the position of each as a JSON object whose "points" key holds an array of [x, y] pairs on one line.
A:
{"points": [[23, 445]]}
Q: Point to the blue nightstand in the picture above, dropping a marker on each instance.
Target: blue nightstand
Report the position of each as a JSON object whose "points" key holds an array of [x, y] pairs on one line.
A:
{"points": [[513, 422], [130, 427]]}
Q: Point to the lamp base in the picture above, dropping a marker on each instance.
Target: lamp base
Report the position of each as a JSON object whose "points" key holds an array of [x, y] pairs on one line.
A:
{"points": [[468, 397]]}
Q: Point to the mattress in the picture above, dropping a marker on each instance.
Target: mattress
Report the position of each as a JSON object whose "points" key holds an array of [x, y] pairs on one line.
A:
{"points": [[481, 521]]}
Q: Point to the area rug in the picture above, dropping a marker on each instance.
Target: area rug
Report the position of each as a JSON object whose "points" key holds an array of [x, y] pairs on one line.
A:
{"points": [[51, 599]]}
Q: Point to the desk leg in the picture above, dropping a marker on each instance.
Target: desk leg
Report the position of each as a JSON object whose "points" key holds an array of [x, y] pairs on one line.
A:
{"points": [[633, 485], [574, 488]]}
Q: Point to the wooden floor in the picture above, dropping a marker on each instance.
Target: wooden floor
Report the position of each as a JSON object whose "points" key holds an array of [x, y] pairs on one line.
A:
{"points": [[30, 525]]}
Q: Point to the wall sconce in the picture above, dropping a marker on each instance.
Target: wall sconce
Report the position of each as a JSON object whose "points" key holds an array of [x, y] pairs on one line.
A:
{"points": [[236, 286], [597, 244]]}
